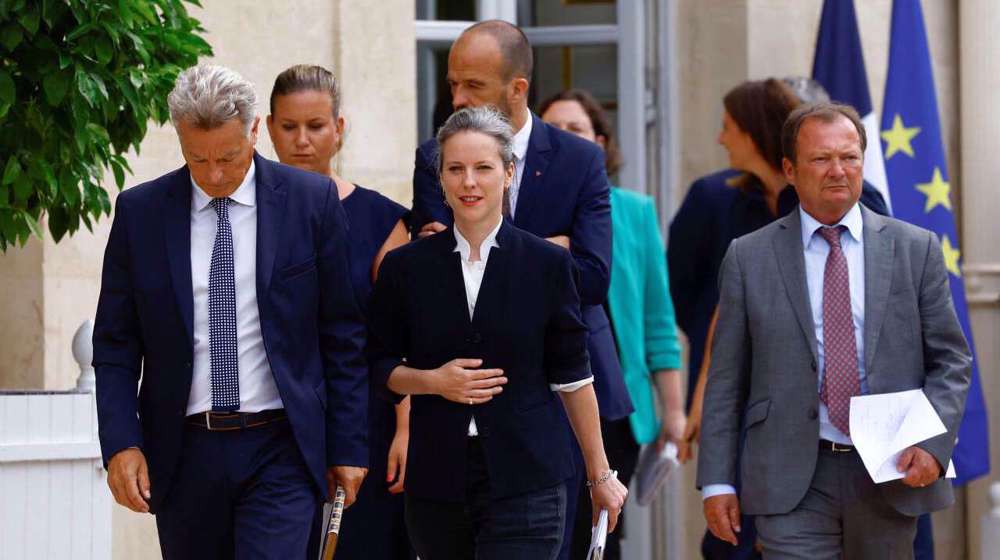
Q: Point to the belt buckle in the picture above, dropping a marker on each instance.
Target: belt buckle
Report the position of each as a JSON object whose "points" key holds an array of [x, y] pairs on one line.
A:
{"points": [[208, 421], [839, 448]]}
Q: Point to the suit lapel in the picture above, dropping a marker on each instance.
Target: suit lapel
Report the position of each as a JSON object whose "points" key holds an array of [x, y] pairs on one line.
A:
{"points": [[271, 199], [536, 162], [452, 286], [177, 233], [791, 262], [489, 304], [879, 253]]}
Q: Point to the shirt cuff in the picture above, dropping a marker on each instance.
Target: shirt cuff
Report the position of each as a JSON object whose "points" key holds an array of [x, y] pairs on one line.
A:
{"points": [[570, 387], [712, 490]]}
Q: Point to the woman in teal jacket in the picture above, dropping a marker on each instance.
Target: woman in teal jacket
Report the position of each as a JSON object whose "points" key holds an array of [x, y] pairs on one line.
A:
{"points": [[640, 309]]}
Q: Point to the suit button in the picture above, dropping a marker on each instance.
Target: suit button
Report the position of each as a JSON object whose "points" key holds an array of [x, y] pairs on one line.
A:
{"points": [[812, 364], [474, 338], [813, 414]]}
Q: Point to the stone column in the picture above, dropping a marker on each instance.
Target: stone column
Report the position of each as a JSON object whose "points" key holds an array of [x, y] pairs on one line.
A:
{"points": [[979, 208]]}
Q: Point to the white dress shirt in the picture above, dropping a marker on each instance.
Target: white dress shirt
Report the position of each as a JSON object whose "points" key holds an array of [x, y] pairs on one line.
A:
{"points": [[521, 140], [472, 274], [815, 250], [257, 388]]}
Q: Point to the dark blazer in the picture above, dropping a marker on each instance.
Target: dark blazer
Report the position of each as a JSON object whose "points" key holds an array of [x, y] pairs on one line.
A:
{"points": [[763, 370], [313, 332], [564, 191], [527, 322], [713, 214]]}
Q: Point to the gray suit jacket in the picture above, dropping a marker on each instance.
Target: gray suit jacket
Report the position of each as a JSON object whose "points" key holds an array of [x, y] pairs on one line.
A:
{"points": [[763, 372]]}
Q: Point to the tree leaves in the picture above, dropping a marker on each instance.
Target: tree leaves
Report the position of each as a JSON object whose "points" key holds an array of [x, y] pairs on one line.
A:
{"points": [[8, 91], [56, 85], [79, 82]]}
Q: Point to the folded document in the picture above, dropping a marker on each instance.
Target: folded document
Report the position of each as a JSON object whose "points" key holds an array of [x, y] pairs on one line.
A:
{"points": [[599, 537], [655, 465], [884, 425]]}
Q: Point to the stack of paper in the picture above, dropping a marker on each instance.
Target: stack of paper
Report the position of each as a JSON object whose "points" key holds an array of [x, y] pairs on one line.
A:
{"points": [[884, 425], [599, 537], [653, 469]]}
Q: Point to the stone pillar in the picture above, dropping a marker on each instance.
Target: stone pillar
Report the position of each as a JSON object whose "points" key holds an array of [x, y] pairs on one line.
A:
{"points": [[979, 207], [22, 355], [375, 56]]}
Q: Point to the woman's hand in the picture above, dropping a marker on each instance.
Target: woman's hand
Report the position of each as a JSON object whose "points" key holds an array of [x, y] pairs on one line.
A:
{"points": [[397, 461], [609, 495], [673, 428], [692, 431], [458, 382]]}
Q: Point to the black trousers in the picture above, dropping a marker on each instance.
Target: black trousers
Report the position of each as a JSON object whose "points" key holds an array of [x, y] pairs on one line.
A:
{"points": [[486, 528], [623, 455]]}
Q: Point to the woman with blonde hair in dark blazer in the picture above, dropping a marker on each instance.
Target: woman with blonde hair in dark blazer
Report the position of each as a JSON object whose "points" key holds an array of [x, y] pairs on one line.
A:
{"points": [[481, 325]]}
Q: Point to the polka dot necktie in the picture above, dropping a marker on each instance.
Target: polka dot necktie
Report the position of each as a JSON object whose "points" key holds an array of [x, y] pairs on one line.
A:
{"points": [[225, 374], [840, 352]]}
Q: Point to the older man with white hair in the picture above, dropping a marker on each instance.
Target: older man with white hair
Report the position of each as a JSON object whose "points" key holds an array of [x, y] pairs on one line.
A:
{"points": [[231, 386]]}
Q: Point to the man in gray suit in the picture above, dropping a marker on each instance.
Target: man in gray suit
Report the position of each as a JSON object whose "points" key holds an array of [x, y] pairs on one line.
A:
{"points": [[826, 303]]}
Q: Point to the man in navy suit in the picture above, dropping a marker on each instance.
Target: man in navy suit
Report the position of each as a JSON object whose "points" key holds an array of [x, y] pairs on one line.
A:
{"points": [[559, 192], [226, 292]]}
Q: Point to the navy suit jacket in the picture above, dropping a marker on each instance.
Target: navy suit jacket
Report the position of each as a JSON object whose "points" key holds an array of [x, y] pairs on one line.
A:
{"points": [[527, 322], [564, 191], [713, 214], [312, 329]]}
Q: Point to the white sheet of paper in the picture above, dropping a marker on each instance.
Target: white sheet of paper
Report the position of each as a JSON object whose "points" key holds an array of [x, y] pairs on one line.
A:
{"points": [[599, 537], [884, 425]]}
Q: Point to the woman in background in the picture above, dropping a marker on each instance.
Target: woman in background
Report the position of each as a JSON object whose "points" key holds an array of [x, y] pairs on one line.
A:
{"points": [[641, 312], [307, 130]]}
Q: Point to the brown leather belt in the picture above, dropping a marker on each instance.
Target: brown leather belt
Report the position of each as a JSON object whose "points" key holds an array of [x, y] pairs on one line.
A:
{"points": [[230, 421], [827, 445]]}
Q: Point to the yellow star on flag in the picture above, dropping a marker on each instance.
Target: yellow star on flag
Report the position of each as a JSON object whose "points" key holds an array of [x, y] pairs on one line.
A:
{"points": [[937, 191], [951, 256], [898, 138]]}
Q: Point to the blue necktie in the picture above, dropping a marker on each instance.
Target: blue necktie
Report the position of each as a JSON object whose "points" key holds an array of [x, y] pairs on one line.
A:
{"points": [[222, 315]]}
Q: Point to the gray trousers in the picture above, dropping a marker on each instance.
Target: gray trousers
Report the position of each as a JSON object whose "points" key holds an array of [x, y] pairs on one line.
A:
{"points": [[843, 515]]}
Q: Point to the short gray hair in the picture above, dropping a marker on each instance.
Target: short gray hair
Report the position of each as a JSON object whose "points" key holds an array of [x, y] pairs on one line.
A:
{"points": [[485, 120], [207, 96]]}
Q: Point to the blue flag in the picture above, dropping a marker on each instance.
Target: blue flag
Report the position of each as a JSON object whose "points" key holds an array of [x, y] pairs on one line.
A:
{"points": [[918, 184], [839, 66]]}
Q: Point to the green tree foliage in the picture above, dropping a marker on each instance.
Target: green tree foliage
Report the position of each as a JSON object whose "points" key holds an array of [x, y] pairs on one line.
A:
{"points": [[79, 81]]}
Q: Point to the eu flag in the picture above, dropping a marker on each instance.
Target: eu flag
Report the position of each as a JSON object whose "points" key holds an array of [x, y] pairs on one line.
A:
{"points": [[918, 184]]}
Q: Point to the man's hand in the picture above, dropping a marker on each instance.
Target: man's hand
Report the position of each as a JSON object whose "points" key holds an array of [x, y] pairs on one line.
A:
{"points": [[430, 228], [722, 513], [397, 461], [560, 240], [609, 495], [921, 467], [457, 382], [128, 478], [348, 478]]}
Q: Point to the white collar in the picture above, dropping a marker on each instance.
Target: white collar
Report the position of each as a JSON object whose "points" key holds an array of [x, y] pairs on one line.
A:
{"points": [[522, 138], [852, 220], [245, 194], [463, 247]]}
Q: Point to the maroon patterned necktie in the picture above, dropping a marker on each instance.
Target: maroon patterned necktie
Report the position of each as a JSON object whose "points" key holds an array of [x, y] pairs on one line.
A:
{"points": [[840, 352]]}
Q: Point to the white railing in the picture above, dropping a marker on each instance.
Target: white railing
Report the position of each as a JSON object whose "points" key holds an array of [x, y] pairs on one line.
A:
{"points": [[54, 502]]}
